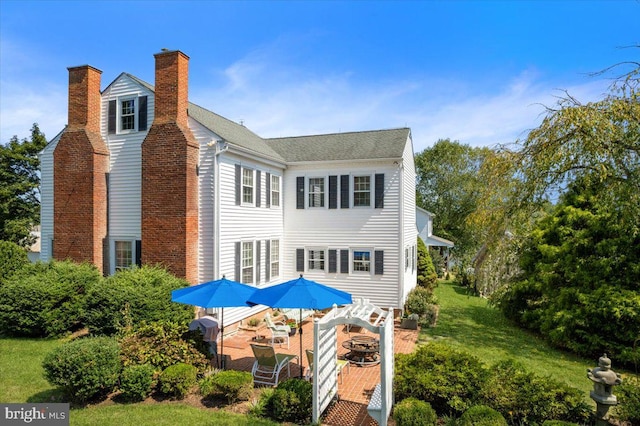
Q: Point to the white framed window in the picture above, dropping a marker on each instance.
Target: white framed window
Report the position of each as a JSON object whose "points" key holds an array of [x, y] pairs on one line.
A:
{"points": [[128, 115], [122, 252], [274, 257], [406, 258], [247, 262], [275, 191], [362, 191], [316, 260], [316, 192], [361, 261], [247, 186]]}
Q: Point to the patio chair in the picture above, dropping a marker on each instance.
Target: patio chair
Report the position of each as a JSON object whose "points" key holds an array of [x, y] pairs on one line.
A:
{"points": [[279, 330], [340, 364], [268, 364]]}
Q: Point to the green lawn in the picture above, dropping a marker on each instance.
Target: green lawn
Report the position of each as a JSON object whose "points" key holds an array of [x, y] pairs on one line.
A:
{"points": [[22, 380], [467, 322]]}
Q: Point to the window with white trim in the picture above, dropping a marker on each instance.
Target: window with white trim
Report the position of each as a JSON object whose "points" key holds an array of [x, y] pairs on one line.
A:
{"points": [[247, 262], [316, 192], [275, 191], [361, 191], [124, 255], [128, 114], [361, 261], [316, 260], [406, 258], [275, 258], [247, 186]]}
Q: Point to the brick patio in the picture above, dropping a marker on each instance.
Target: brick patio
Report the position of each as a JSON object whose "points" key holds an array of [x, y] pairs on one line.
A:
{"points": [[357, 382]]}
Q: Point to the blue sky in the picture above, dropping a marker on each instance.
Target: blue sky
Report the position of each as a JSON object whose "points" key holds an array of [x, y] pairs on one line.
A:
{"points": [[475, 71]]}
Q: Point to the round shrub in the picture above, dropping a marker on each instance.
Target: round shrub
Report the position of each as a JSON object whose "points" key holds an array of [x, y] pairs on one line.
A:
{"points": [[46, 299], [481, 415], [12, 259], [132, 296], [161, 344], [418, 301], [85, 369], [525, 397], [230, 384], [413, 412], [177, 380], [450, 380], [136, 382], [291, 401]]}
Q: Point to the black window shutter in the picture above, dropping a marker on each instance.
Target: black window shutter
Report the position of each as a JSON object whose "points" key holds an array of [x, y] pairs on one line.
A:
{"points": [[344, 191], [300, 192], [267, 260], [379, 190], [238, 277], [333, 192], [111, 113], [258, 188], [333, 261], [238, 184], [379, 259], [139, 252], [300, 260], [257, 257], [344, 261], [267, 192], [142, 113]]}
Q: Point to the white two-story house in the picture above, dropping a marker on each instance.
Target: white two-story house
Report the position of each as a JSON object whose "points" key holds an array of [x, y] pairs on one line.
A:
{"points": [[142, 176]]}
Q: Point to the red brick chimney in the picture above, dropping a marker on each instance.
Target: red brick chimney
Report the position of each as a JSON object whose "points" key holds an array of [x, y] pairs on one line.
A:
{"points": [[169, 176], [80, 166]]}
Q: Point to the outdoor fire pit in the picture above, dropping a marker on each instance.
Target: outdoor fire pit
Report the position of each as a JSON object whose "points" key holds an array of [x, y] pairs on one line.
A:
{"points": [[363, 350]]}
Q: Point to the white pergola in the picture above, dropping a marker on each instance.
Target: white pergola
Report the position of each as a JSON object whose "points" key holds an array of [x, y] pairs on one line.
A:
{"points": [[325, 385]]}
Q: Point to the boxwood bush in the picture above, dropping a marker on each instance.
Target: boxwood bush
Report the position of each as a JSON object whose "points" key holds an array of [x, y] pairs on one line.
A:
{"points": [[230, 384], [46, 299], [291, 401], [178, 379], [136, 382], [132, 296], [524, 397], [85, 369], [481, 415], [450, 380], [413, 412]]}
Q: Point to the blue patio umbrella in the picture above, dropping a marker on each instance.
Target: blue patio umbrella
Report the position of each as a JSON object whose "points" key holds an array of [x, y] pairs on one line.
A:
{"points": [[222, 293], [300, 293]]}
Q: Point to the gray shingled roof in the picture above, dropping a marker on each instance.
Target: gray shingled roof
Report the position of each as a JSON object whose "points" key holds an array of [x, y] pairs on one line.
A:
{"points": [[343, 146], [336, 146]]}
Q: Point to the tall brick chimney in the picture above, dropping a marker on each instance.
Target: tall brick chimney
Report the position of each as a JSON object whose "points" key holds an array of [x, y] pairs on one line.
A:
{"points": [[169, 176], [80, 166]]}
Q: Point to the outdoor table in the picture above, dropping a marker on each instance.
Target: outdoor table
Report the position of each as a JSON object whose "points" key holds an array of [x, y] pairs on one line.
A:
{"points": [[363, 350]]}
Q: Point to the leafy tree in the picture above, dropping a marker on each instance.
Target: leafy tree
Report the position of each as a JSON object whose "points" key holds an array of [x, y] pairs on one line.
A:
{"points": [[19, 194], [449, 185]]}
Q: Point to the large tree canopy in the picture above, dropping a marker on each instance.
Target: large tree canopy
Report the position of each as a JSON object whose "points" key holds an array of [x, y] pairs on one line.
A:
{"points": [[19, 192]]}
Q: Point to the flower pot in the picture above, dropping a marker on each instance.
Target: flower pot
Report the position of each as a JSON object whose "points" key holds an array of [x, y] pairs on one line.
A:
{"points": [[411, 324], [292, 332]]}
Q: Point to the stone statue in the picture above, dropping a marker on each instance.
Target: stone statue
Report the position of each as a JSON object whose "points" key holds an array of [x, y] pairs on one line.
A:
{"points": [[603, 379]]}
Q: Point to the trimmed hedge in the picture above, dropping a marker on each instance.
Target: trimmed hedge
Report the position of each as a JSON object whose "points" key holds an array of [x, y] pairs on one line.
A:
{"points": [[46, 299], [481, 415], [85, 369], [413, 412], [136, 382], [291, 401], [134, 296], [230, 384], [178, 379]]}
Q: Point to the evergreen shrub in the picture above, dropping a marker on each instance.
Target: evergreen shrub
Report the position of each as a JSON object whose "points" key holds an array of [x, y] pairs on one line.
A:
{"points": [[12, 259], [413, 412], [229, 384], [481, 415], [178, 379], [46, 299], [85, 369], [291, 401], [418, 301], [628, 393], [133, 296], [136, 382]]}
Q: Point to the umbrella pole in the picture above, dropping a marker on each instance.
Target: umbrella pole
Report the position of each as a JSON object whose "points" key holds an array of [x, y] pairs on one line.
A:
{"points": [[221, 360], [300, 359]]}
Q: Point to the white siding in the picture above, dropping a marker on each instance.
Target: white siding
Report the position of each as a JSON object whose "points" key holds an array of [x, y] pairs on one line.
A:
{"points": [[46, 199], [352, 228], [125, 165], [410, 229]]}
